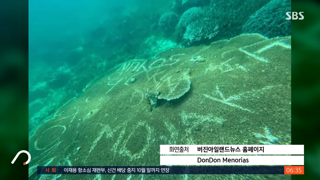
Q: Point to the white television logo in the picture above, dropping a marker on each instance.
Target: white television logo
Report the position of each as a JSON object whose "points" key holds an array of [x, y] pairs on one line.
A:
{"points": [[294, 15], [17, 155]]}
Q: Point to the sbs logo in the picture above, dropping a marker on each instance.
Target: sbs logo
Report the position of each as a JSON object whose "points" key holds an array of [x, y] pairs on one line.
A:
{"points": [[294, 15]]}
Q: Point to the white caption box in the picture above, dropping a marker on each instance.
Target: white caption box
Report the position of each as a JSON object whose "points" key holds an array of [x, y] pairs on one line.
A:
{"points": [[267, 149], [232, 160]]}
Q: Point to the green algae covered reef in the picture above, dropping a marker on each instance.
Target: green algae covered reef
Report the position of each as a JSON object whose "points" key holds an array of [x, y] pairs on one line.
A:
{"points": [[235, 91]]}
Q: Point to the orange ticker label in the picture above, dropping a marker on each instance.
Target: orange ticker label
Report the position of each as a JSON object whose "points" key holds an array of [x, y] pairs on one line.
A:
{"points": [[294, 170]]}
